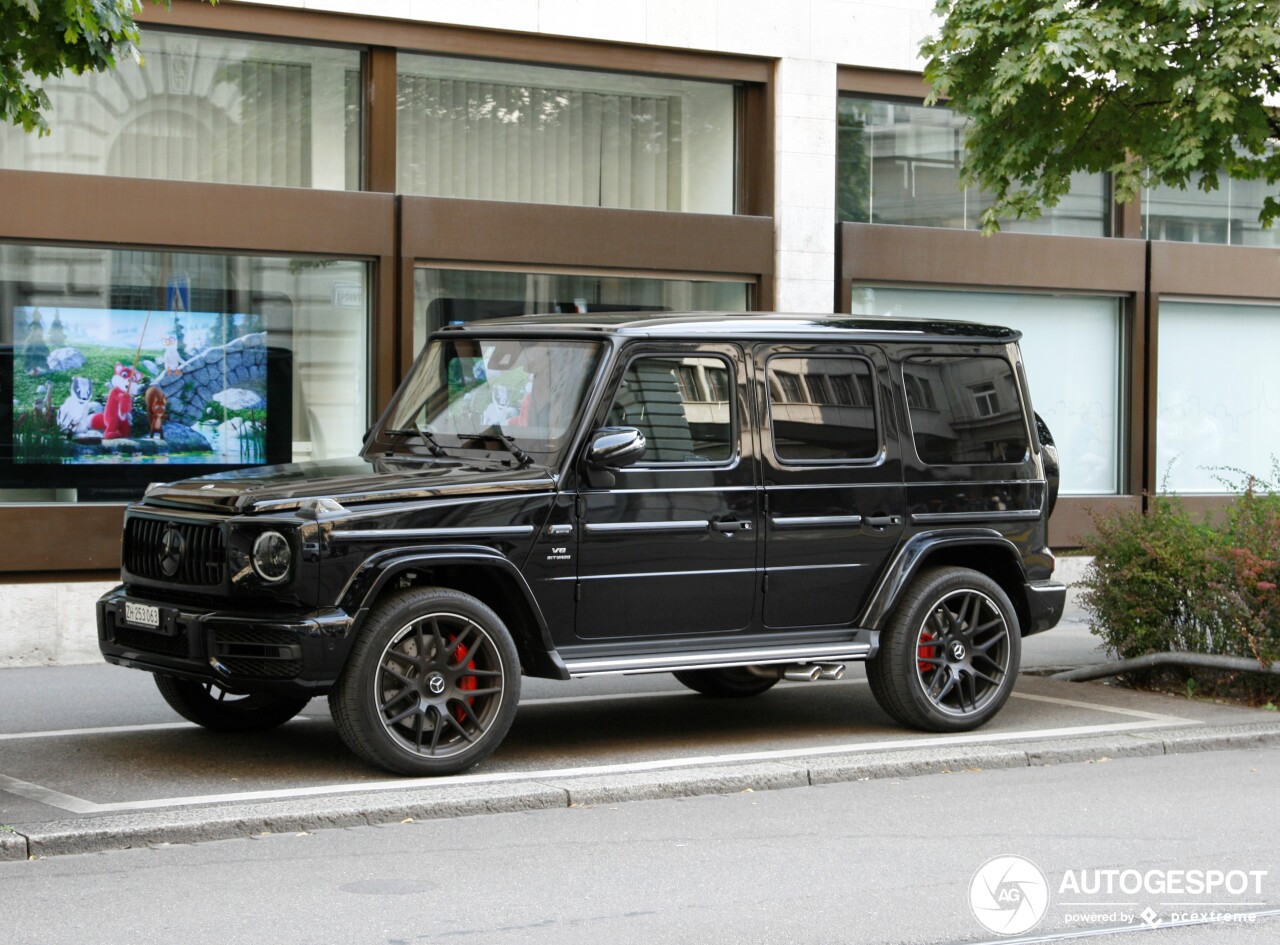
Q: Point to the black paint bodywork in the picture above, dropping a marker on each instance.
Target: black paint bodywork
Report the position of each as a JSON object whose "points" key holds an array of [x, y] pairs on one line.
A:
{"points": [[724, 558]]}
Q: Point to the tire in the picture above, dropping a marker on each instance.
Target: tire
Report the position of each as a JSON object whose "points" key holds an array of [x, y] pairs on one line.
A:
{"points": [[949, 656], [431, 684], [733, 682], [218, 710]]}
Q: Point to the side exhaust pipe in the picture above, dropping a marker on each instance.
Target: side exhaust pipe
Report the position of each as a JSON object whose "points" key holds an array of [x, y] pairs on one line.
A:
{"points": [[800, 672]]}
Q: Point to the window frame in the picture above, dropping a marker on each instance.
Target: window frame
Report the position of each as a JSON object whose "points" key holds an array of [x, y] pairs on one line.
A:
{"points": [[1021, 409]]}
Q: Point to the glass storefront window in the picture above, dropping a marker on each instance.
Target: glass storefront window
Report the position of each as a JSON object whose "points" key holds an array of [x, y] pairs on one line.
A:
{"points": [[1083, 405], [506, 131], [900, 164], [452, 296], [1218, 401], [123, 367], [205, 108], [1227, 215]]}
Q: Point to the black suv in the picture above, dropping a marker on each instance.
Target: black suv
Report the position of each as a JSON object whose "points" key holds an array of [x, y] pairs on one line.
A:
{"points": [[734, 499]]}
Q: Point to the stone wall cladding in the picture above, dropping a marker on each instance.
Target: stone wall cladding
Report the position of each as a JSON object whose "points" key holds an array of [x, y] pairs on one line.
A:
{"points": [[235, 364]]}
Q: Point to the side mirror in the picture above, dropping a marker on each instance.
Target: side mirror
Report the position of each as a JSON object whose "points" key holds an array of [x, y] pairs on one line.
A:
{"points": [[612, 448]]}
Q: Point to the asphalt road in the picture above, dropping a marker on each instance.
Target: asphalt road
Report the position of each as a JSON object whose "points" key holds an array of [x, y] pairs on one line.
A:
{"points": [[885, 861]]}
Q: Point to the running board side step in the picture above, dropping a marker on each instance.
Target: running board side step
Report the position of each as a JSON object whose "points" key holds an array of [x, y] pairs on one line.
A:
{"points": [[763, 656]]}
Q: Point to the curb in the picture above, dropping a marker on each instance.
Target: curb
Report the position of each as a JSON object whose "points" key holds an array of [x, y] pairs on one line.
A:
{"points": [[124, 831]]}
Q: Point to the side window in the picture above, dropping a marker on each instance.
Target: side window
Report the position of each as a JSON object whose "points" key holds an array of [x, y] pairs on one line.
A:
{"points": [[822, 409], [964, 410], [682, 405]]}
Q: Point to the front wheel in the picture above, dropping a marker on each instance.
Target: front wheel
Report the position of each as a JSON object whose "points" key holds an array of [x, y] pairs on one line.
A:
{"points": [[948, 659], [431, 685], [218, 710]]}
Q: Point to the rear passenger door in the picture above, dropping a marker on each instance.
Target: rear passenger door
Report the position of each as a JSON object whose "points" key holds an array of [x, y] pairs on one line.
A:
{"points": [[833, 495], [671, 547]]}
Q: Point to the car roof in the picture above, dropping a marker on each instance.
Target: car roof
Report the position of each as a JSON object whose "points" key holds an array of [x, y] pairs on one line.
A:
{"points": [[747, 325]]}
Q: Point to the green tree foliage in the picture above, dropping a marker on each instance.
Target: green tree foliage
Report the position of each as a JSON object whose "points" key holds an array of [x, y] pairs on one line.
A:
{"points": [[1173, 89], [42, 39]]}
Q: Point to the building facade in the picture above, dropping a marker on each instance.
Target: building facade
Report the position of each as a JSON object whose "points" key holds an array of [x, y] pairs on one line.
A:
{"points": [[266, 216]]}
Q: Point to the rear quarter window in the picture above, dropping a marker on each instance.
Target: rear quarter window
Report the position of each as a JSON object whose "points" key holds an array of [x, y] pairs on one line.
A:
{"points": [[965, 410]]}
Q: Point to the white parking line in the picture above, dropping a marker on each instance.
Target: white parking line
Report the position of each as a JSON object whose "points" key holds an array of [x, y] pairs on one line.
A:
{"points": [[82, 806]]}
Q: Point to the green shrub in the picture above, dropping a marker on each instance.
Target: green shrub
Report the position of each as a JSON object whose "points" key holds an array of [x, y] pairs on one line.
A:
{"points": [[1166, 581]]}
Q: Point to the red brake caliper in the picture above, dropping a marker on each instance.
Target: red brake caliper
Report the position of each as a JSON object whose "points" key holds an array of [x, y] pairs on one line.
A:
{"points": [[466, 682], [924, 652]]}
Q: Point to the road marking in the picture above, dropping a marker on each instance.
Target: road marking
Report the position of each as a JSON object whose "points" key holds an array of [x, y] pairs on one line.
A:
{"points": [[110, 730], [34, 792], [63, 801]]}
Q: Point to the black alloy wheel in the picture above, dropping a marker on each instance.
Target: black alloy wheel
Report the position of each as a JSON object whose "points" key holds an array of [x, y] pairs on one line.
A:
{"points": [[221, 710], [950, 655], [431, 685]]}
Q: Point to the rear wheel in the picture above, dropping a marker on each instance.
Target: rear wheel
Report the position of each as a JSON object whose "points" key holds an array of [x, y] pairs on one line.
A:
{"points": [[948, 659], [734, 681], [219, 710], [431, 684]]}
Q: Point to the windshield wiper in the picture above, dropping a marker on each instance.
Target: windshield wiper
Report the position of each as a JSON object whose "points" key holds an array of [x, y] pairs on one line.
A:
{"points": [[432, 446], [514, 448]]}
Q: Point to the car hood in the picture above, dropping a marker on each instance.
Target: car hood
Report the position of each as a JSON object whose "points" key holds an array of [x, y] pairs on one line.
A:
{"points": [[350, 482]]}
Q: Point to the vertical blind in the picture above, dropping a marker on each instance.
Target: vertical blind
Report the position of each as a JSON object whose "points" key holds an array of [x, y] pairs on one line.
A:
{"points": [[261, 136], [487, 140]]}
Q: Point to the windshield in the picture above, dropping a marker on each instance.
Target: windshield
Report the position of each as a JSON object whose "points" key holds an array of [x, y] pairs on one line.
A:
{"points": [[494, 393]]}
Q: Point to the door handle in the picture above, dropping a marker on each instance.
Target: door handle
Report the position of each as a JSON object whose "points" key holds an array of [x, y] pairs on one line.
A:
{"points": [[881, 521], [730, 527]]}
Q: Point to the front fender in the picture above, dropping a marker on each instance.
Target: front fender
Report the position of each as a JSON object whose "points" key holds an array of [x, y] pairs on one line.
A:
{"points": [[917, 552], [479, 570]]}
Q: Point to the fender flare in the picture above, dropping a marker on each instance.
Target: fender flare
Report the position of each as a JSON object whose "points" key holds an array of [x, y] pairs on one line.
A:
{"points": [[912, 556], [376, 572]]}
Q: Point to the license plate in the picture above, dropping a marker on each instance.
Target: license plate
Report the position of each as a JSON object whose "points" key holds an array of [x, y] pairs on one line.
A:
{"points": [[144, 615]]}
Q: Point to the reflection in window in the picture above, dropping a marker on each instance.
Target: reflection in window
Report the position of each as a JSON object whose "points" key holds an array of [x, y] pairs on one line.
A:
{"points": [[900, 163], [505, 131], [675, 405], [970, 426], [455, 296], [205, 108], [1227, 215], [822, 409]]}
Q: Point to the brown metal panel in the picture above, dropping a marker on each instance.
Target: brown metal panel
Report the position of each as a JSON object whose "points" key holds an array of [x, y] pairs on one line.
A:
{"points": [[85, 208], [934, 256], [1245, 272], [66, 538], [880, 83], [380, 120], [1073, 517], [351, 29], [756, 161], [485, 231]]}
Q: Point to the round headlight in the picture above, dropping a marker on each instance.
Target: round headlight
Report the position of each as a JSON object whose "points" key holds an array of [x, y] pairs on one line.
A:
{"points": [[272, 557]]}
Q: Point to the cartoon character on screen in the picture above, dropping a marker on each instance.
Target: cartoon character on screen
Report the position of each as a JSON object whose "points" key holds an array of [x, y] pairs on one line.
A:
{"points": [[77, 411], [116, 421], [157, 407], [172, 360]]}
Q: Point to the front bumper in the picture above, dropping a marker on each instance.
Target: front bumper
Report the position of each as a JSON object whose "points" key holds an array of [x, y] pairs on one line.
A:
{"points": [[242, 652], [1046, 600]]}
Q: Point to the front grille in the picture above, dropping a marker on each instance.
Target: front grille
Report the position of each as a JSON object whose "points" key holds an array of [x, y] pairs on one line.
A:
{"points": [[201, 561], [148, 642]]}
